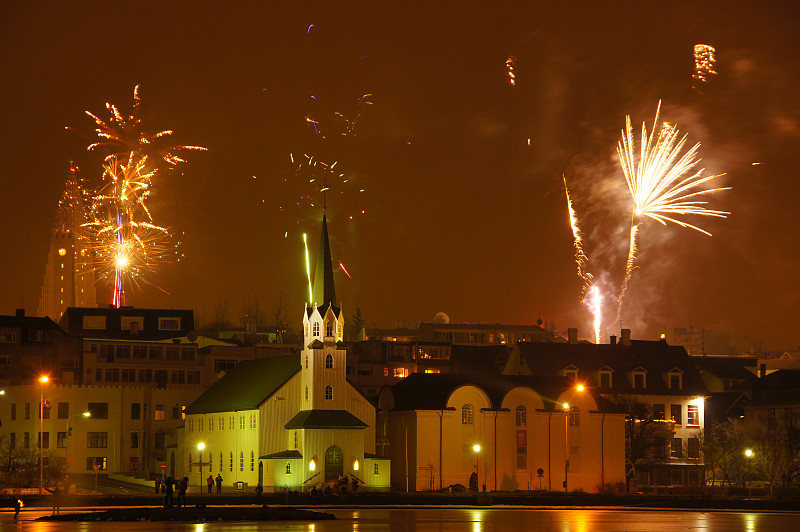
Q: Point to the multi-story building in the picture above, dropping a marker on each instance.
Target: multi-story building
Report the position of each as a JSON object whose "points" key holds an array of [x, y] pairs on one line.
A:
{"points": [[661, 378], [32, 346]]}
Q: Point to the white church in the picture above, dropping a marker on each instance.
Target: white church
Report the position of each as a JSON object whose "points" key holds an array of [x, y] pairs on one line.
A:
{"points": [[290, 422]]}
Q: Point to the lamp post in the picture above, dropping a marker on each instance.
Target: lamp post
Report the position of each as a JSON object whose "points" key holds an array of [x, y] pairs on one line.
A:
{"points": [[749, 455], [86, 414], [566, 445], [200, 447], [477, 449], [42, 380]]}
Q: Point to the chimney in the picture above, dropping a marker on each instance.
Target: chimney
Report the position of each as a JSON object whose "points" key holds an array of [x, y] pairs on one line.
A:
{"points": [[572, 333], [625, 339], [613, 340]]}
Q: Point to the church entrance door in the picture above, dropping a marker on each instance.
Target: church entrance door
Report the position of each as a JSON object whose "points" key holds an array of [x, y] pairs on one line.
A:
{"points": [[333, 463]]}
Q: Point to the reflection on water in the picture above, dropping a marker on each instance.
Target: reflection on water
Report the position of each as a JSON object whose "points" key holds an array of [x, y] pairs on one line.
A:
{"points": [[492, 519]]}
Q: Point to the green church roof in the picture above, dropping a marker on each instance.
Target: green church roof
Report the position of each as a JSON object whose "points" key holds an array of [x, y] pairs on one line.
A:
{"points": [[325, 419], [293, 453], [246, 385]]}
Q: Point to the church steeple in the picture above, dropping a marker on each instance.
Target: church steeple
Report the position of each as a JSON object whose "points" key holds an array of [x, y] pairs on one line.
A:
{"points": [[323, 289]]}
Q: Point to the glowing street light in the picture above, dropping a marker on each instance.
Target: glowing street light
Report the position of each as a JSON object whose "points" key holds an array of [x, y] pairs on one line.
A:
{"points": [[43, 381], [87, 415], [477, 449]]}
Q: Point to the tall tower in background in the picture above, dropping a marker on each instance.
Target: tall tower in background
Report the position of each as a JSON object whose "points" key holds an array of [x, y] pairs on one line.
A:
{"points": [[69, 279]]}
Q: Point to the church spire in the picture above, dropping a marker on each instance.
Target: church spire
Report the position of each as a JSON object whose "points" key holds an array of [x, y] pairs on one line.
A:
{"points": [[323, 290]]}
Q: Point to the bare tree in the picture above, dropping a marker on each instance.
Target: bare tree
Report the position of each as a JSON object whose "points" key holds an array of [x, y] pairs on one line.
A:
{"points": [[251, 314], [279, 313], [221, 316]]}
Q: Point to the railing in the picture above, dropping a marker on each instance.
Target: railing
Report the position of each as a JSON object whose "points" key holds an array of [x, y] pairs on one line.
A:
{"points": [[312, 477]]}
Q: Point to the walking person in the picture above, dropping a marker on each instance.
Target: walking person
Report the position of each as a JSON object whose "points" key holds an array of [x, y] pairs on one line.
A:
{"points": [[169, 485], [158, 485], [183, 486], [209, 483], [219, 483]]}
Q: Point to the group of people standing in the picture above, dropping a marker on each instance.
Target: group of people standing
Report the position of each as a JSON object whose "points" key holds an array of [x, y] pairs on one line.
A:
{"points": [[210, 481], [170, 487]]}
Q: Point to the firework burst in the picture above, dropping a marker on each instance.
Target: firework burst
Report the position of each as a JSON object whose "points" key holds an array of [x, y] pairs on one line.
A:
{"points": [[664, 182], [580, 257], [121, 134], [124, 243]]}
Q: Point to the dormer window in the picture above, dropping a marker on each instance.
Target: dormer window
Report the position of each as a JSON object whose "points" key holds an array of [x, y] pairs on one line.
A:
{"points": [[316, 329], [604, 377], [571, 372], [675, 379], [638, 378]]}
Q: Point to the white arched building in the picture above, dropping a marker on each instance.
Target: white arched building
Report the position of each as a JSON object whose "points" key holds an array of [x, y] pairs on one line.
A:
{"points": [[290, 422]]}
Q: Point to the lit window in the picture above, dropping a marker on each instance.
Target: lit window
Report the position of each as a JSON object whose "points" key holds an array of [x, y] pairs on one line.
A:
{"points": [[574, 417], [522, 416], [316, 329], [288, 468], [693, 415], [466, 414], [375, 470]]}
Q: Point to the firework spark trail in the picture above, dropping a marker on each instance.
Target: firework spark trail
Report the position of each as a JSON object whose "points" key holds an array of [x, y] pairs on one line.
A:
{"points": [[596, 304], [308, 271], [704, 60], [511, 64], [580, 257], [341, 265], [658, 184]]}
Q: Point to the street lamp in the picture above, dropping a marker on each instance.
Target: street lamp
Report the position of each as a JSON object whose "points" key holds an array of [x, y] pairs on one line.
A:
{"points": [[477, 449], [566, 444], [200, 447], [43, 380], [749, 454]]}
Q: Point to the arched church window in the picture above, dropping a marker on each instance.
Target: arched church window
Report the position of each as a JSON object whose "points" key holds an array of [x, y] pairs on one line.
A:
{"points": [[574, 417], [375, 470], [466, 414], [241, 461], [288, 468], [252, 461], [329, 329], [306, 361], [210, 462], [296, 439], [220, 462], [231, 464], [316, 329], [306, 393], [328, 361], [522, 416], [329, 392]]}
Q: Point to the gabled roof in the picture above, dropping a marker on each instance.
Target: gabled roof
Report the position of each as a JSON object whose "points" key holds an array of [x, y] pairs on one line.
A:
{"points": [[247, 385], [656, 358], [21, 321], [292, 453], [325, 419], [430, 391]]}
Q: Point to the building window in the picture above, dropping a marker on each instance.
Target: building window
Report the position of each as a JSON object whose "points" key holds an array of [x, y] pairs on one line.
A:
{"points": [[187, 353], [252, 461], [329, 329], [288, 468], [605, 380], [97, 440], [241, 461], [574, 417], [98, 410], [658, 412], [222, 364], [253, 421], [221, 423], [306, 393], [63, 410], [13, 411], [328, 361], [169, 324], [241, 421], [156, 353], [693, 448], [61, 440], [306, 361], [400, 372], [295, 440], [522, 416], [788, 418], [45, 438], [176, 412], [231, 461], [220, 462], [676, 449], [639, 381], [27, 410], [26, 439], [12, 440], [693, 416], [200, 424], [316, 329], [375, 469], [328, 393], [94, 322], [100, 462], [675, 413], [160, 415], [659, 449], [134, 439], [160, 441], [136, 410], [231, 426], [466, 414], [134, 463], [675, 381]]}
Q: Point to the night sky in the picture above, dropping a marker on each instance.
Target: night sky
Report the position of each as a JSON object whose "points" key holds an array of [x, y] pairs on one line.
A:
{"points": [[462, 212]]}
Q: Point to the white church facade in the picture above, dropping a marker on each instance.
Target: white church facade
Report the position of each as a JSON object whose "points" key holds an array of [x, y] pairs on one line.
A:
{"points": [[290, 422]]}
